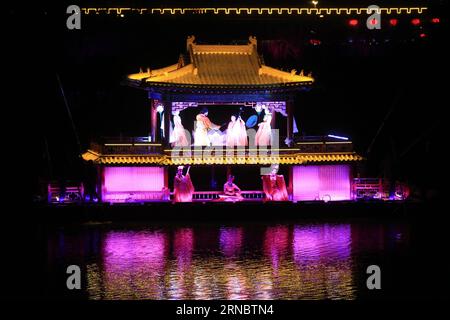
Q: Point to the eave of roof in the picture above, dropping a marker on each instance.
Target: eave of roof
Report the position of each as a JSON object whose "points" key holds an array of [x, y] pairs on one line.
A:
{"points": [[167, 160]]}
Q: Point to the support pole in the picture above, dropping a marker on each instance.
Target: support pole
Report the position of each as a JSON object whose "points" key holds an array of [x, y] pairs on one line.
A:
{"points": [[153, 119], [167, 114], [290, 188], [290, 123]]}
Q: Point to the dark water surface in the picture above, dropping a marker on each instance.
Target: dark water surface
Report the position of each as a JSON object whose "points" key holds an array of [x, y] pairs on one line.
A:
{"points": [[292, 260]]}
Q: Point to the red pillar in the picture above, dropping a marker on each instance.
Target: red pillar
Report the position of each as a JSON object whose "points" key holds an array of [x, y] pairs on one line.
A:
{"points": [[290, 188], [166, 177]]}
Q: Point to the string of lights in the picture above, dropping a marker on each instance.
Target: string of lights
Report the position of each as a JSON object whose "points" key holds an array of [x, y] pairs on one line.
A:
{"points": [[258, 11]]}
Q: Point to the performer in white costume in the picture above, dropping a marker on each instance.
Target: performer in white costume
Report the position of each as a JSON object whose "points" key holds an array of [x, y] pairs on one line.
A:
{"points": [[178, 136], [236, 132], [202, 126], [264, 134]]}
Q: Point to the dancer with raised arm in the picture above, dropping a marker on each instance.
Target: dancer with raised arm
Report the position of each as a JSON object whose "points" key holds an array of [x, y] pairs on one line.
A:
{"points": [[183, 189], [202, 126]]}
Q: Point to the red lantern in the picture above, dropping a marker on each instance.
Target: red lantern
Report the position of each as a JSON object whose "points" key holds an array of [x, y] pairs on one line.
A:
{"points": [[393, 22], [353, 22], [415, 22]]}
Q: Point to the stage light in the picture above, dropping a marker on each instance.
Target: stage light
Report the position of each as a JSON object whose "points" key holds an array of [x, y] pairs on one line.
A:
{"points": [[435, 20], [393, 22], [353, 22], [337, 137], [415, 22], [160, 108]]}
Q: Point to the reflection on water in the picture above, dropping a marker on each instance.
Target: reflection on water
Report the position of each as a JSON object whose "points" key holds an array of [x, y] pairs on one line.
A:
{"points": [[291, 261]]}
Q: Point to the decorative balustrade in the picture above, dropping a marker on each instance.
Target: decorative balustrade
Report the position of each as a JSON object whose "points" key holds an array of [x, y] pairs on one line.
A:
{"points": [[370, 188], [127, 145], [68, 192], [248, 195], [141, 146], [166, 195]]}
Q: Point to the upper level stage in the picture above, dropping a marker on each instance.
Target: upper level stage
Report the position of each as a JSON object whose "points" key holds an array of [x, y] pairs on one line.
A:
{"points": [[140, 151]]}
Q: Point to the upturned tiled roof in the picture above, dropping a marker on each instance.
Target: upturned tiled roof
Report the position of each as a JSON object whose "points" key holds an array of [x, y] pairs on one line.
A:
{"points": [[221, 65]]}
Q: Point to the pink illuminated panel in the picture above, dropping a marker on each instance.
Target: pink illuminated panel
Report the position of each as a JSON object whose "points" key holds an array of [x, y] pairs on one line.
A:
{"points": [[322, 182], [125, 179]]}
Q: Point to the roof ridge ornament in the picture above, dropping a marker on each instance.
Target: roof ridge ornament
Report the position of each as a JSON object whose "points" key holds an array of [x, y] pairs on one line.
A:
{"points": [[190, 41], [253, 41]]}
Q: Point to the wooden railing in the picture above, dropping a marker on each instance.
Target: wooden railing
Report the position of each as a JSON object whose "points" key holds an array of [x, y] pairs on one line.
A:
{"points": [[137, 196], [248, 195], [322, 144], [126, 145], [141, 145], [165, 195], [370, 188], [68, 193]]}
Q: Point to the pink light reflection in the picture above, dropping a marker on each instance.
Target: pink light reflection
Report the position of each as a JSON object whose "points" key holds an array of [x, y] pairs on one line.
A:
{"points": [[328, 243], [322, 182], [134, 264], [230, 241], [276, 243], [183, 245]]}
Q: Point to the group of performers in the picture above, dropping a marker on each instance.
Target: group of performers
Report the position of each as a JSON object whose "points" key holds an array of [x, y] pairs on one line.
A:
{"points": [[207, 133], [274, 187]]}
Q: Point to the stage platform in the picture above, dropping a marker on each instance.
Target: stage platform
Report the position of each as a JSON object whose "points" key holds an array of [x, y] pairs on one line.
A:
{"points": [[223, 211]]}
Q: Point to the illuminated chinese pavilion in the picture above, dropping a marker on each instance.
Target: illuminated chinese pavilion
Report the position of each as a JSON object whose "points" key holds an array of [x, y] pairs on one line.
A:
{"points": [[223, 78]]}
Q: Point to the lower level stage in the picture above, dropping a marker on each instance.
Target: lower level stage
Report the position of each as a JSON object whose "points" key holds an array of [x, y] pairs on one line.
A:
{"points": [[135, 184]]}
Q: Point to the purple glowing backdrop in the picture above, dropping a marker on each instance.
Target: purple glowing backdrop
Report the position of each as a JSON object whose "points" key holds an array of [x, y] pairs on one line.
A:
{"points": [[118, 179], [322, 182]]}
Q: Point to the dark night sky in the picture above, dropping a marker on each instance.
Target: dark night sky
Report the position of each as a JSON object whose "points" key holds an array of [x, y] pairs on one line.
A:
{"points": [[359, 75]]}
